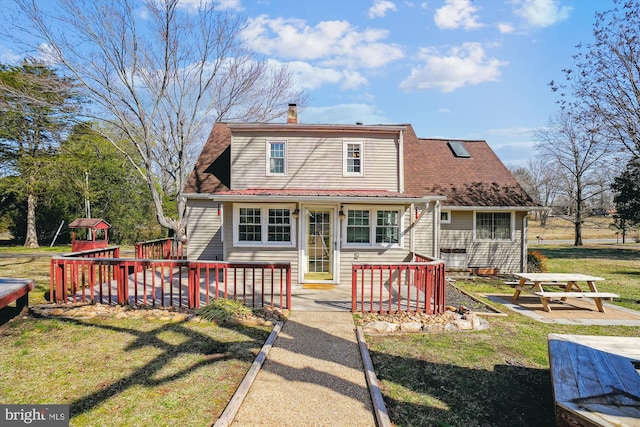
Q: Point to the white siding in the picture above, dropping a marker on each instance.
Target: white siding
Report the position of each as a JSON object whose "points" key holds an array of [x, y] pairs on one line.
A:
{"points": [[314, 162], [203, 230]]}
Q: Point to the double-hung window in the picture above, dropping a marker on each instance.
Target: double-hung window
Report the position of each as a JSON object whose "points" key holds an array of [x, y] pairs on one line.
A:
{"points": [[263, 226], [358, 229], [276, 158], [372, 228], [353, 156], [493, 225], [387, 227]]}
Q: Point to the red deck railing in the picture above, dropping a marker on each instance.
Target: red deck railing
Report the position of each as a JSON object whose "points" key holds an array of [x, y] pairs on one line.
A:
{"points": [[168, 248], [389, 288], [168, 283]]}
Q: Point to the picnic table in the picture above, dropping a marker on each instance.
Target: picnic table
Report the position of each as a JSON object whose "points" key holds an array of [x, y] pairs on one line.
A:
{"points": [[15, 290], [569, 284]]}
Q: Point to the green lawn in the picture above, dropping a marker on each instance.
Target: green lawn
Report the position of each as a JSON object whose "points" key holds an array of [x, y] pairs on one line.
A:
{"points": [[499, 376]]}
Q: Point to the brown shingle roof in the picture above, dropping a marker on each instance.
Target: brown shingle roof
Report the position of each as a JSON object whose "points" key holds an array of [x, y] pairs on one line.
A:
{"points": [[212, 172], [481, 180], [430, 169]]}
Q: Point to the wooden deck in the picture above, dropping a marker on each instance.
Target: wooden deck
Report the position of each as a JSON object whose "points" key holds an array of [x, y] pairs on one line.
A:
{"points": [[596, 380]]}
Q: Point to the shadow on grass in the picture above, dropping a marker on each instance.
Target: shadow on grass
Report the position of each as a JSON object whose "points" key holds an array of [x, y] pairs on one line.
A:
{"points": [[148, 375], [590, 252], [509, 395]]}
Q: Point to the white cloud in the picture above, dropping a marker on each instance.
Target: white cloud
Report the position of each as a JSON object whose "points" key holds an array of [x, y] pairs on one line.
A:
{"points": [[331, 43], [344, 114], [542, 13], [8, 56], [464, 65], [309, 77], [505, 28], [46, 54], [457, 14], [380, 8], [193, 5]]}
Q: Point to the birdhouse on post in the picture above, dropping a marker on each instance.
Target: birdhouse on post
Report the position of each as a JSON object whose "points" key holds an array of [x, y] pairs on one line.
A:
{"points": [[88, 234]]}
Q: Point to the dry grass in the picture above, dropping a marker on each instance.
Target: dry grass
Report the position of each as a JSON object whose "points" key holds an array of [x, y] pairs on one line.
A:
{"points": [[558, 228]]}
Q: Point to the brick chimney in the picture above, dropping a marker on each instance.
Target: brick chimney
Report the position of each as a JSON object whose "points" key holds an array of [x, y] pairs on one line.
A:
{"points": [[292, 115]]}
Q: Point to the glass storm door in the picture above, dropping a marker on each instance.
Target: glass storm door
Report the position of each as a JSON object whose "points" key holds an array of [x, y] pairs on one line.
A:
{"points": [[319, 243]]}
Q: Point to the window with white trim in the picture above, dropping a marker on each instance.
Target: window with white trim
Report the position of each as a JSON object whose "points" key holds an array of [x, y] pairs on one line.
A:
{"points": [[353, 155], [445, 217], [276, 158], [387, 227], [263, 226], [372, 227], [493, 225], [358, 230]]}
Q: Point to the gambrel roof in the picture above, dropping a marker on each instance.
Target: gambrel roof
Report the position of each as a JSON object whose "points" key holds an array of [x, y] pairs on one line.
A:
{"points": [[430, 166]]}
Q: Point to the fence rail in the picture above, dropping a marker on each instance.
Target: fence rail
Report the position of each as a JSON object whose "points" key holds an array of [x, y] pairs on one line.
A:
{"points": [[389, 288], [168, 283], [167, 248]]}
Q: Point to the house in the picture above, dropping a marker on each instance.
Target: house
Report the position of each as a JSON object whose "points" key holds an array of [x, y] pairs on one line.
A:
{"points": [[324, 196]]}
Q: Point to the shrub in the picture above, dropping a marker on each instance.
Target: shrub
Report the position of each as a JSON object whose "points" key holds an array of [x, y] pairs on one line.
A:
{"points": [[536, 262], [221, 310]]}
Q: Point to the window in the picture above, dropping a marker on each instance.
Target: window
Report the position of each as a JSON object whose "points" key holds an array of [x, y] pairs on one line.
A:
{"points": [[249, 228], [459, 150], [353, 155], [445, 217], [263, 226], [276, 158], [493, 225], [358, 226], [279, 225], [371, 227], [387, 229]]}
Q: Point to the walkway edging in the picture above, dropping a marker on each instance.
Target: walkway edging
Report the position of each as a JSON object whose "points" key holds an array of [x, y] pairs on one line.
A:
{"points": [[233, 406], [379, 408]]}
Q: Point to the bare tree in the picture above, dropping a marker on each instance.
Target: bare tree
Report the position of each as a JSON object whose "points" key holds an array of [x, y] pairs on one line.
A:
{"points": [[539, 179], [606, 75], [573, 144], [159, 76]]}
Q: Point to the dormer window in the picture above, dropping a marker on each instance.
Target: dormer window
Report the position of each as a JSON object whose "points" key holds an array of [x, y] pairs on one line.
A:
{"points": [[353, 152], [276, 158]]}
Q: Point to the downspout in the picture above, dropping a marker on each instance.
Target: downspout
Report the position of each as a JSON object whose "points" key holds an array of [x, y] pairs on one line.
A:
{"points": [[525, 232], [401, 161], [414, 222], [436, 229]]}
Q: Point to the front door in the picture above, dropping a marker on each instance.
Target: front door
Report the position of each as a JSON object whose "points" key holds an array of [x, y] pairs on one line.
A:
{"points": [[319, 244]]}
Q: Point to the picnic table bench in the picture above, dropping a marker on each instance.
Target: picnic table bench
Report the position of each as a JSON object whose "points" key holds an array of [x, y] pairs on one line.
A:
{"points": [[15, 290], [568, 281], [594, 380]]}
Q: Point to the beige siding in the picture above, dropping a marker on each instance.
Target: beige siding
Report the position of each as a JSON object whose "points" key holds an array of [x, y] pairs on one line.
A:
{"points": [[314, 162], [506, 255], [348, 257], [203, 230], [424, 232]]}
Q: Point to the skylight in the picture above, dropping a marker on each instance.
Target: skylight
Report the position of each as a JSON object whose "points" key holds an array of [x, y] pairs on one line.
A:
{"points": [[459, 150]]}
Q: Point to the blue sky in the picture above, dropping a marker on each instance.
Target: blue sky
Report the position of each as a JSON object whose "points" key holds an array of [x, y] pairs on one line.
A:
{"points": [[452, 68], [467, 69]]}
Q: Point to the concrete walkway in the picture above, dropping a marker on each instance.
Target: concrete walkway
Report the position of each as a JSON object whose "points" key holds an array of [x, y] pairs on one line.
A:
{"points": [[313, 376]]}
